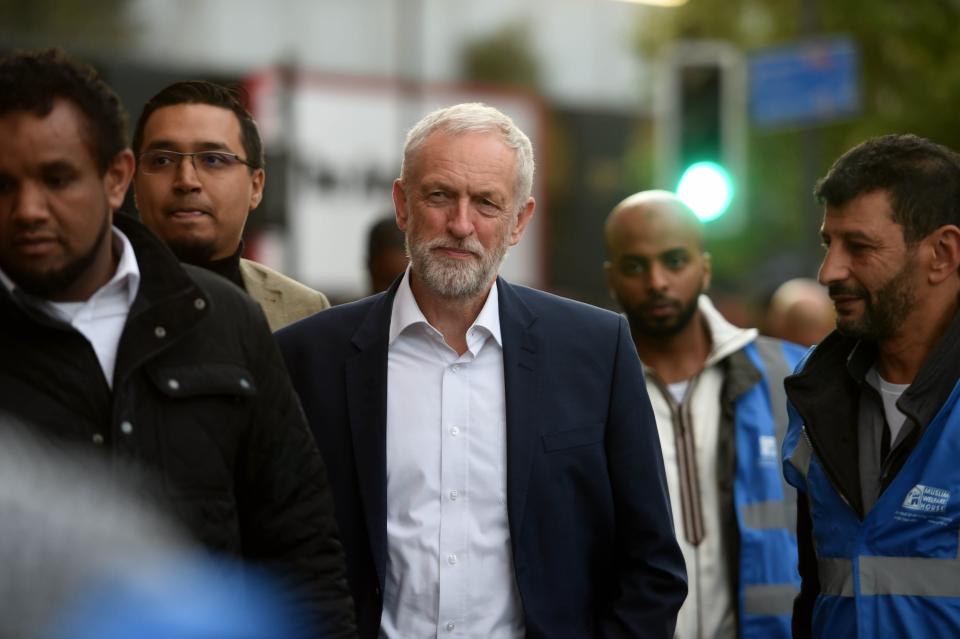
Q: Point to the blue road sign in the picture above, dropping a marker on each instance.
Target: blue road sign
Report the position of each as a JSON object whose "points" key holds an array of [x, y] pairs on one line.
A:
{"points": [[812, 82]]}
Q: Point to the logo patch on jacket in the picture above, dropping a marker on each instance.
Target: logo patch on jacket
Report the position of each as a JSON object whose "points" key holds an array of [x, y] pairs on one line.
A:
{"points": [[927, 504], [768, 450], [927, 499]]}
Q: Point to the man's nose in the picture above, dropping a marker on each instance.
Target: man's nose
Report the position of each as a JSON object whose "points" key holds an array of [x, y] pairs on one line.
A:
{"points": [[186, 177], [834, 267], [460, 220], [658, 277], [30, 206]]}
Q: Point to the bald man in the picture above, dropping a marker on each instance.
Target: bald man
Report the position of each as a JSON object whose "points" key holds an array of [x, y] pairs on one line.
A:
{"points": [[800, 311], [717, 394]]}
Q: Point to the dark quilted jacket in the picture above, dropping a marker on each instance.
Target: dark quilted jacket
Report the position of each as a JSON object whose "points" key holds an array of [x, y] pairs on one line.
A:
{"points": [[202, 400]]}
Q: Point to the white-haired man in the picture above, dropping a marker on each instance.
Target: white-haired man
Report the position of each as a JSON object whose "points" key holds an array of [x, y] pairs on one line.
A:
{"points": [[494, 458]]}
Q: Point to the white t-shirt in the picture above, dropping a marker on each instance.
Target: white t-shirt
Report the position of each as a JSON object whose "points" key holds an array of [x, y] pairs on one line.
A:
{"points": [[889, 393]]}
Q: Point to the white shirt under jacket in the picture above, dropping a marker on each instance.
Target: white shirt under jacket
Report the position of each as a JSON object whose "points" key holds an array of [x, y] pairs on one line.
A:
{"points": [[449, 564], [708, 611], [103, 315]]}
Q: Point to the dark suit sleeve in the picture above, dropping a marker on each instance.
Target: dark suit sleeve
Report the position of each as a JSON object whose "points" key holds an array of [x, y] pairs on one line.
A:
{"points": [[809, 578], [651, 580], [287, 515]]}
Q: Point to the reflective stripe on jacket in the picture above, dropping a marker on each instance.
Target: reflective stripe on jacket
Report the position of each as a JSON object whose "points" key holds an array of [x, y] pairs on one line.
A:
{"points": [[765, 505], [896, 573]]}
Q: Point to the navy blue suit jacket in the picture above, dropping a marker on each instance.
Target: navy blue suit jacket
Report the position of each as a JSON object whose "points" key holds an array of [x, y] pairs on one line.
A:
{"points": [[590, 526]]}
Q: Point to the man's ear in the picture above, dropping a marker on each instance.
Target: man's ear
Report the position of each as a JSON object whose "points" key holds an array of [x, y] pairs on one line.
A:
{"points": [[608, 274], [258, 179], [707, 270], [400, 203], [944, 243], [116, 179], [523, 217]]}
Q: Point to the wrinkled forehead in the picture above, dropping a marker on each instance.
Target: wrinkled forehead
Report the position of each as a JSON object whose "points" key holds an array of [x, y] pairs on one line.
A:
{"points": [[870, 212]]}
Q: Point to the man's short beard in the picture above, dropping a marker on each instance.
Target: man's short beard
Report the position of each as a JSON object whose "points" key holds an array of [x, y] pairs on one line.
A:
{"points": [[196, 252], [885, 310], [640, 325], [455, 279], [49, 284]]}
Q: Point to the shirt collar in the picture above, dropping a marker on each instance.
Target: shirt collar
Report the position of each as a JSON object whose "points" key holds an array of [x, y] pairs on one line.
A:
{"points": [[128, 271], [406, 313], [127, 268], [7, 282], [861, 358]]}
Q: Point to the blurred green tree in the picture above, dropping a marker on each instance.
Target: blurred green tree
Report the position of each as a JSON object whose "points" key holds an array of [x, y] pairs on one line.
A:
{"points": [[91, 25], [503, 57]]}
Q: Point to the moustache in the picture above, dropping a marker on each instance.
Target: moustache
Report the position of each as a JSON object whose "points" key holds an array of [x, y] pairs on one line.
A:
{"points": [[661, 300], [470, 244], [838, 290]]}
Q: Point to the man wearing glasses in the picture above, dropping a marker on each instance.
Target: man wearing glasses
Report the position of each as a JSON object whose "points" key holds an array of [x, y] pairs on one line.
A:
{"points": [[200, 171]]}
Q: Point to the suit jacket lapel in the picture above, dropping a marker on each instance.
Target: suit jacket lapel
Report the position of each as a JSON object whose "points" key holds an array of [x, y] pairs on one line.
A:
{"points": [[522, 397], [366, 384]]}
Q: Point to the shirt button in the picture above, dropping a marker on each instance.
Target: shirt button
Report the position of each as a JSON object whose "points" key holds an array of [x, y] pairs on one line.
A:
{"points": [[454, 431], [173, 384], [452, 559], [453, 495], [160, 332], [455, 368], [451, 626], [126, 428], [98, 439], [199, 303]]}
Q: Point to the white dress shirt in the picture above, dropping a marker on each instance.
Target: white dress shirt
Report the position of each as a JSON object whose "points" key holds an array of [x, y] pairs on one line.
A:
{"points": [[102, 316], [449, 566]]}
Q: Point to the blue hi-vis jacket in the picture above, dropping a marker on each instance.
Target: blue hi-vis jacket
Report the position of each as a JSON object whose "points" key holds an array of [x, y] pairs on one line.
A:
{"points": [[765, 505], [896, 573]]}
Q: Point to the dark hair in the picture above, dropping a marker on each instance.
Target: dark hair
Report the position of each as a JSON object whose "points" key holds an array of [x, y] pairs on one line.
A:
{"points": [[203, 92], [384, 235], [32, 81], [921, 177]]}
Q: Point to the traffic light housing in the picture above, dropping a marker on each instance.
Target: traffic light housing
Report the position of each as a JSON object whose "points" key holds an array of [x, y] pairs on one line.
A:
{"points": [[701, 131]]}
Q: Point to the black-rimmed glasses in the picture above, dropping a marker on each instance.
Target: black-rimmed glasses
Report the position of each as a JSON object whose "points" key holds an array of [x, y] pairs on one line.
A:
{"points": [[163, 161]]}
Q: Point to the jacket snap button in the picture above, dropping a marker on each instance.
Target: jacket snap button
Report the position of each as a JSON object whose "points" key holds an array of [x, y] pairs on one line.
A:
{"points": [[160, 332], [199, 303], [244, 384], [173, 384], [98, 439], [126, 428]]}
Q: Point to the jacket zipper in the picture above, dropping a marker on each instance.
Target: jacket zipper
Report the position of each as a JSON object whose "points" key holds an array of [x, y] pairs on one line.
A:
{"points": [[830, 474]]}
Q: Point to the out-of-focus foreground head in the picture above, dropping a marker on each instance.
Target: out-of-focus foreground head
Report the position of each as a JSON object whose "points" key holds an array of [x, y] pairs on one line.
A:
{"points": [[473, 117], [656, 265], [801, 312], [84, 556]]}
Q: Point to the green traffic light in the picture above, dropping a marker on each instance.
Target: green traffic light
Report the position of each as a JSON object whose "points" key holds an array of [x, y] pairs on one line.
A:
{"points": [[707, 189]]}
